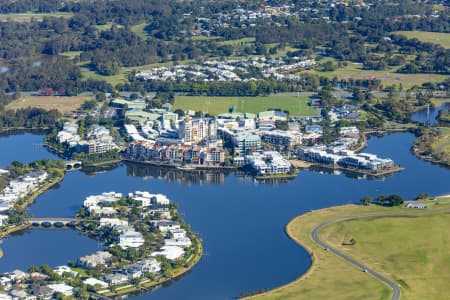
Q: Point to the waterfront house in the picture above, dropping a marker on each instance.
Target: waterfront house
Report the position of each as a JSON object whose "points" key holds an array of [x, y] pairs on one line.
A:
{"points": [[102, 211], [112, 222], [133, 272], [131, 239], [182, 242], [99, 258], [115, 279], [177, 233], [165, 226], [64, 270], [91, 281], [169, 252], [61, 288], [17, 276], [3, 220]]}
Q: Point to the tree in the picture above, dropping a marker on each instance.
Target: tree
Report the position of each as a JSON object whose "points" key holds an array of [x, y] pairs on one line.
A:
{"points": [[366, 200]]}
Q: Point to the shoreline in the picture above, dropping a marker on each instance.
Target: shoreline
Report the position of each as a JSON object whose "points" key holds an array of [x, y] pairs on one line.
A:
{"points": [[29, 200], [310, 223], [189, 167], [150, 284]]}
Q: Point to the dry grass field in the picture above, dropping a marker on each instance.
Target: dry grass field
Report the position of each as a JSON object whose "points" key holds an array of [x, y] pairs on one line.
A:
{"points": [[65, 105]]}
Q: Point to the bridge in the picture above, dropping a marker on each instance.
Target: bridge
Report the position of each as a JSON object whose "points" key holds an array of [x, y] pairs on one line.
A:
{"points": [[53, 222], [73, 164]]}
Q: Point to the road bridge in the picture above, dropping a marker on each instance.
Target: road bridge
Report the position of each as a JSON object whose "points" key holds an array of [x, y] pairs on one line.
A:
{"points": [[73, 164]]}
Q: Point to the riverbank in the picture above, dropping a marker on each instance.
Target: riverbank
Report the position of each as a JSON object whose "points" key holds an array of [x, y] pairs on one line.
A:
{"points": [[321, 282]]}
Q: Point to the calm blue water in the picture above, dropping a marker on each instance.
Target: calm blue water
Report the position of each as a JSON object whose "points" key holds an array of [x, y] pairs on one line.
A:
{"points": [[241, 222], [422, 115], [24, 147]]}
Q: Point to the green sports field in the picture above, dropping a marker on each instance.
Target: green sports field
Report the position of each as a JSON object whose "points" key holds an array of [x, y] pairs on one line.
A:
{"points": [[297, 106]]}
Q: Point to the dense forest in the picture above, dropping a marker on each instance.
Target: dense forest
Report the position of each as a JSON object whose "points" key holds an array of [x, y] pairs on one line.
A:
{"points": [[54, 50]]}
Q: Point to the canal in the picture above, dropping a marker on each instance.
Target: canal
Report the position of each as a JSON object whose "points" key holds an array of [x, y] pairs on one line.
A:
{"points": [[240, 221]]}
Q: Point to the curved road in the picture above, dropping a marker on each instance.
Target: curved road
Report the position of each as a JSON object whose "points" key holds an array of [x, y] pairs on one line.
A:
{"points": [[395, 288]]}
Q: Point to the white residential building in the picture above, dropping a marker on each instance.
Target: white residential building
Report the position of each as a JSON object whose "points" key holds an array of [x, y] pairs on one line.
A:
{"points": [[62, 288], [131, 239], [170, 252]]}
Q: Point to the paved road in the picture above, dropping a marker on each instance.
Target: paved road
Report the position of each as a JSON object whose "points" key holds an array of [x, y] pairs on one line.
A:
{"points": [[395, 288]]}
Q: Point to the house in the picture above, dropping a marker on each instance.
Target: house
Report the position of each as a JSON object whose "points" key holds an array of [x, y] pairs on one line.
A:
{"points": [[5, 282], [415, 205], [17, 275], [91, 281], [3, 219], [61, 288], [22, 295], [182, 242], [42, 292], [178, 233], [97, 259], [133, 271], [102, 211], [115, 279], [61, 270], [131, 239], [4, 296], [165, 226], [112, 222], [169, 252]]}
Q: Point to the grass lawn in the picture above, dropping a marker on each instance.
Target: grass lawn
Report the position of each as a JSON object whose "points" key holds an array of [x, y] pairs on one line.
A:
{"points": [[414, 251], [63, 104], [70, 54], [138, 29], [107, 26], [297, 106], [387, 77], [248, 40], [440, 38], [441, 145], [26, 17]]}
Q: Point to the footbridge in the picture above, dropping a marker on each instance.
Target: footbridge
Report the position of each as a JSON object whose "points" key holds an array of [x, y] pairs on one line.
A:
{"points": [[73, 164]]}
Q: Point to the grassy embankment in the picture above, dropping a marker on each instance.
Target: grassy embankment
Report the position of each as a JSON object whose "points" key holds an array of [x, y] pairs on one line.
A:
{"points": [[64, 105], [412, 251], [297, 106], [434, 145], [440, 38]]}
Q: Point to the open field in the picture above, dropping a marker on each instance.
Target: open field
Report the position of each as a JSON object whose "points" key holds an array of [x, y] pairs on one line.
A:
{"points": [[440, 38], [139, 30], [249, 40], [441, 145], [63, 104], [412, 251], [387, 77], [297, 106], [26, 17]]}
